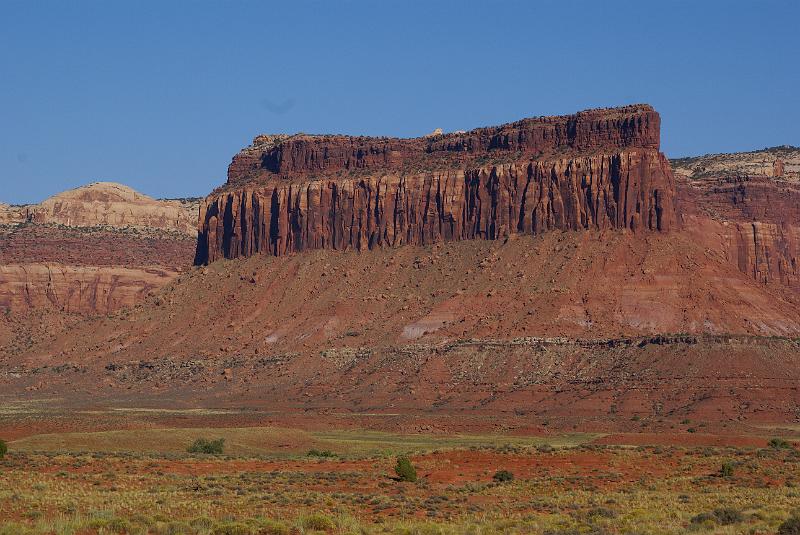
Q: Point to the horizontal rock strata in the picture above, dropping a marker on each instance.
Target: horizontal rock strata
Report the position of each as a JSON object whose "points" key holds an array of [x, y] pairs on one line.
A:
{"points": [[78, 289], [599, 169], [753, 221]]}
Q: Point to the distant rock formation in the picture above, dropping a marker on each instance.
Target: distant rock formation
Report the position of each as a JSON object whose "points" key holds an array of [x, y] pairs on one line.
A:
{"points": [[92, 250], [746, 207], [597, 169], [107, 204]]}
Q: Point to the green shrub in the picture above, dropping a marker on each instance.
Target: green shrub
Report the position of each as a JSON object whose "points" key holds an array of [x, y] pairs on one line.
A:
{"points": [[201, 522], [318, 522], [405, 470], [602, 512], [320, 453], [726, 470], [110, 525], [726, 516], [779, 444], [171, 528], [502, 476], [202, 445], [3, 448], [790, 526], [14, 528]]}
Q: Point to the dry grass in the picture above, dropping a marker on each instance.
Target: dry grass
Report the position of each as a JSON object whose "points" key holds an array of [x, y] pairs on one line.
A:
{"points": [[142, 482]]}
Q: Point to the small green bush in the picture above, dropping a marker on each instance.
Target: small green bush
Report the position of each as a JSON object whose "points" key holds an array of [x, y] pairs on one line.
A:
{"points": [[201, 522], [110, 525], [726, 470], [320, 453], [3, 448], [602, 512], [779, 444], [726, 516], [502, 476], [790, 526], [202, 445], [318, 522], [405, 470]]}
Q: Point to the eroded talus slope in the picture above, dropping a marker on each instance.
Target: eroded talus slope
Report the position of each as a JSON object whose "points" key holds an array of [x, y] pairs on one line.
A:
{"points": [[91, 250], [387, 329], [573, 284], [594, 170]]}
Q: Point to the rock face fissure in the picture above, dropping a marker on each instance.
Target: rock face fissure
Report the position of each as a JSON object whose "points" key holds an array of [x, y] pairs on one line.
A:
{"points": [[599, 169]]}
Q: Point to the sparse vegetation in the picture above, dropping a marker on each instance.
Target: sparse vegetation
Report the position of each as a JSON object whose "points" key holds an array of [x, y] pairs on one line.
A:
{"points": [[203, 445], [3, 448], [726, 470], [779, 444], [501, 476], [790, 527], [574, 488], [320, 453], [405, 470], [727, 515], [318, 522]]}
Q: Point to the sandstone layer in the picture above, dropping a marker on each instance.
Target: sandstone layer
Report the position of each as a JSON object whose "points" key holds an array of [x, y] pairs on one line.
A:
{"points": [[746, 206], [599, 169], [92, 250], [546, 267], [774, 162], [107, 204], [78, 289]]}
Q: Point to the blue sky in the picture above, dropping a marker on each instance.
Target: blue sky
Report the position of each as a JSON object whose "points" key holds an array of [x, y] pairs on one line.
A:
{"points": [[160, 95]]}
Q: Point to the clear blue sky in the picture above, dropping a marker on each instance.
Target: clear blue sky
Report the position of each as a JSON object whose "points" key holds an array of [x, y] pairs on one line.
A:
{"points": [[160, 95]]}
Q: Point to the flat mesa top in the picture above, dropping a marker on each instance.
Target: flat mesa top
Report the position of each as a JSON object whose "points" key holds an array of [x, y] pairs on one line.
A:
{"points": [[289, 156]]}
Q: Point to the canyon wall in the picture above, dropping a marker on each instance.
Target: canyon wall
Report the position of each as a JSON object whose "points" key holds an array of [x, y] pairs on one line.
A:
{"points": [[746, 206], [599, 169]]}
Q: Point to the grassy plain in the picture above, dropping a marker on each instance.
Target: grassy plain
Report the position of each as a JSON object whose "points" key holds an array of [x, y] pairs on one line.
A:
{"points": [[144, 482]]}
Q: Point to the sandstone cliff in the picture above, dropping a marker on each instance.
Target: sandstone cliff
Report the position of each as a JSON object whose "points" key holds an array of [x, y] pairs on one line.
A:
{"points": [[599, 169], [747, 207], [92, 250]]}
